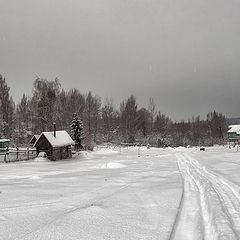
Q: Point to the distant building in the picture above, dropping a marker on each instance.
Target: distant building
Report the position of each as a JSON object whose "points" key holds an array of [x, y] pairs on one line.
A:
{"points": [[4, 145], [234, 134], [56, 144], [34, 139]]}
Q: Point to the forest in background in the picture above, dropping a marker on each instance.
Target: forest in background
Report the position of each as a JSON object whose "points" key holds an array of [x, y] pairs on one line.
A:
{"points": [[102, 120]]}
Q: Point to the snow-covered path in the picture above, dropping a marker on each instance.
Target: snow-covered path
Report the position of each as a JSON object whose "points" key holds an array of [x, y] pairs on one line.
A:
{"points": [[210, 206]]}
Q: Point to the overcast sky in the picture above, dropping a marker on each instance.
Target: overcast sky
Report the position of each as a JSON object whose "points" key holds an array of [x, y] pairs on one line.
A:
{"points": [[183, 53]]}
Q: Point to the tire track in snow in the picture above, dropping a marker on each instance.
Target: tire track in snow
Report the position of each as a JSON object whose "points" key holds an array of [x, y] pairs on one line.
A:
{"points": [[210, 208], [27, 205]]}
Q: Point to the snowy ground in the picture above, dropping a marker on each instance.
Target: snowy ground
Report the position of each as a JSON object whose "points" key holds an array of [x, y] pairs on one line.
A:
{"points": [[111, 194]]}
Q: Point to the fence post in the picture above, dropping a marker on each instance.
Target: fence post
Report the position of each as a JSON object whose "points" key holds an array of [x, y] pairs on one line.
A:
{"points": [[17, 152], [28, 153]]}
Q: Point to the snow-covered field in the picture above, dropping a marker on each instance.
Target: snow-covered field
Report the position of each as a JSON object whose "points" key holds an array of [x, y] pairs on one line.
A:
{"points": [[110, 194]]}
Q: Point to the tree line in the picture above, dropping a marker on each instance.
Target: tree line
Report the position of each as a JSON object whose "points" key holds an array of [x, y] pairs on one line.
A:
{"points": [[102, 121]]}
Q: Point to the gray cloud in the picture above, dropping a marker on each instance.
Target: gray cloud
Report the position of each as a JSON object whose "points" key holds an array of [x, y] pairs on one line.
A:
{"points": [[185, 53]]}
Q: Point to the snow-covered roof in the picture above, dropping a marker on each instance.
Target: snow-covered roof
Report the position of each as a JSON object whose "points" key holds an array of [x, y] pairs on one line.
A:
{"points": [[62, 139], [34, 139], [34, 136], [234, 129], [4, 140]]}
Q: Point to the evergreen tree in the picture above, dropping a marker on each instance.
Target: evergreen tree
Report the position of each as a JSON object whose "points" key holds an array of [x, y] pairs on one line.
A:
{"points": [[77, 131]]}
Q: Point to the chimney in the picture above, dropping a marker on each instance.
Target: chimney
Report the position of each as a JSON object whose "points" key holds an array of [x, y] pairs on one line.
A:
{"points": [[54, 129]]}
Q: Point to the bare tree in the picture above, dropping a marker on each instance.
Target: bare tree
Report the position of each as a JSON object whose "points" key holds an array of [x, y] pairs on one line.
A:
{"points": [[23, 121], [6, 109], [109, 120], [44, 101], [144, 122], [67, 103], [91, 118], [128, 118], [152, 111]]}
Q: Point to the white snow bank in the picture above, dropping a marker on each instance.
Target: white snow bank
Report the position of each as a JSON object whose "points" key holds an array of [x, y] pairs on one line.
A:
{"points": [[85, 154], [112, 165], [104, 151], [41, 159], [95, 153], [162, 156], [3, 218], [180, 149]]}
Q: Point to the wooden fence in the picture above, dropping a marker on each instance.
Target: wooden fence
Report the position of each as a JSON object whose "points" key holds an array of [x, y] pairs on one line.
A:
{"points": [[16, 154]]}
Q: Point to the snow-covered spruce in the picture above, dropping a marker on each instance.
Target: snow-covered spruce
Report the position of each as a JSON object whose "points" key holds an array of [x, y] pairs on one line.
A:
{"points": [[77, 131]]}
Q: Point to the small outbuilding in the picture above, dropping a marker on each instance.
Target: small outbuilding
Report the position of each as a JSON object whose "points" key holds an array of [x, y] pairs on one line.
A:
{"points": [[57, 145], [4, 145], [34, 139]]}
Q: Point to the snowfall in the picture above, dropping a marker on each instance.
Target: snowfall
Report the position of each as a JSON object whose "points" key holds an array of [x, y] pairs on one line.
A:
{"points": [[120, 193]]}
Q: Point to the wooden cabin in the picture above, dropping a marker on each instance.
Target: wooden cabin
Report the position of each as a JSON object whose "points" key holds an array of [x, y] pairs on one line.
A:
{"points": [[56, 144], [234, 134], [34, 139]]}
